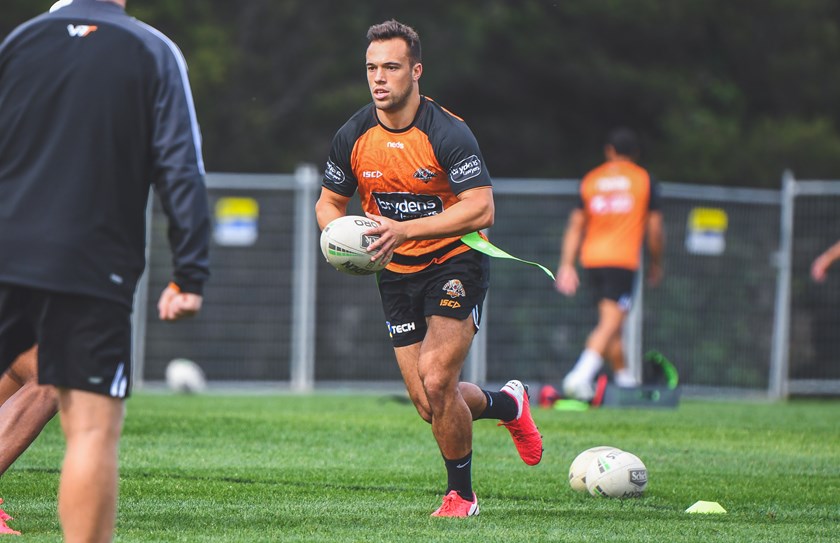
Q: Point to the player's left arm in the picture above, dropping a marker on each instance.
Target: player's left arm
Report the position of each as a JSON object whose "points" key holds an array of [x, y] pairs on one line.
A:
{"points": [[655, 233], [656, 246], [474, 210], [179, 182], [174, 305], [457, 151]]}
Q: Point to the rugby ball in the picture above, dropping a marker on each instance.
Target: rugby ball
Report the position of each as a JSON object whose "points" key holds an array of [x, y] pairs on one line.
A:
{"points": [[344, 244], [577, 471], [185, 376], [616, 474]]}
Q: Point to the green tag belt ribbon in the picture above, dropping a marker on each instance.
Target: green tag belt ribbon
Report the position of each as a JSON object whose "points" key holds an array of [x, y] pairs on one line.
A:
{"points": [[474, 241]]}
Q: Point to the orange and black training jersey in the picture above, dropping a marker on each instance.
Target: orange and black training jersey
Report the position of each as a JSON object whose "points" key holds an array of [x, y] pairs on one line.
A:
{"points": [[616, 198], [407, 174]]}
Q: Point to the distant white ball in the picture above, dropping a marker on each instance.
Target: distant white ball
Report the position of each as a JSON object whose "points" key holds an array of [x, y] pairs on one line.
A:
{"points": [[185, 376], [616, 474], [577, 471], [344, 244]]}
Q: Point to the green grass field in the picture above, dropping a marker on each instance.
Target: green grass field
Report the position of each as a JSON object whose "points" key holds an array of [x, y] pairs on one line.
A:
{"points": [[363, 467]]}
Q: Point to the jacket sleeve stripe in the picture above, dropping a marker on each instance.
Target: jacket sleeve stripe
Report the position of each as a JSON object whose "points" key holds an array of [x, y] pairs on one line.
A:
{"points": [[182, 68]]}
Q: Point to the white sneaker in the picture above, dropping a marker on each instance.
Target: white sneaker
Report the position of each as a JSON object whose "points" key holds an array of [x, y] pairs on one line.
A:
{"points": [[625, 379], [578, 388]]}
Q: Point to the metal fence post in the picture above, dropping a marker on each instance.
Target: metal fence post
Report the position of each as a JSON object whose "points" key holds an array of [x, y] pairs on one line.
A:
{"points": [[779, 375], [304, 280], [475, 368], [141, 301], [632, 330]]}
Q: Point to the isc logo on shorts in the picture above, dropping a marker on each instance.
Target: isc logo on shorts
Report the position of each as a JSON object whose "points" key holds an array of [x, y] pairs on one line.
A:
{"points": [[450, 303]]}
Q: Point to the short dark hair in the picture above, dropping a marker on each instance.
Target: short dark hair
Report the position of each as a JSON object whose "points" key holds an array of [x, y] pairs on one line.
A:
{"points": [[624, 141], [394, 29]]}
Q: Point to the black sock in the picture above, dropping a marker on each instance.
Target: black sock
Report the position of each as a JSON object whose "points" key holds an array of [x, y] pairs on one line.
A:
{"points": [[499, 406], [459, 476]]}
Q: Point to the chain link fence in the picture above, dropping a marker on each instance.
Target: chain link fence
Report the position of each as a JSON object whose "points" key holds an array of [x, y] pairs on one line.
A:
{"points": [[726, 314]]}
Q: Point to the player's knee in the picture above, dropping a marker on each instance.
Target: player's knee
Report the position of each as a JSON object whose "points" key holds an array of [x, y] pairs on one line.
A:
{"points": [[421, 404], [90, 418], [437, 390], [93, 437], [424, 412]]}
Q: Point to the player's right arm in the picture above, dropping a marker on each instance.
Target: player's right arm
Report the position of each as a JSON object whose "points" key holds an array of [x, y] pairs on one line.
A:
{"points": [[330, 206], [567, 277], [339, 183]]}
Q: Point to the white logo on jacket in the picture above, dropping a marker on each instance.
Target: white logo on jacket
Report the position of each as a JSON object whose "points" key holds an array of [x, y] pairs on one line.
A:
{"points": [[80, 31]]}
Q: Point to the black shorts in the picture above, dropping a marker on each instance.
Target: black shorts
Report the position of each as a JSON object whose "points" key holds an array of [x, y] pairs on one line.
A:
{"points": [[83, 342], [614, 284], [455, 288]]}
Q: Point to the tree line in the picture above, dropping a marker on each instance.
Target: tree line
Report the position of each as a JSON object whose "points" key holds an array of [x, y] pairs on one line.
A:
{"points": [[721, 92]]}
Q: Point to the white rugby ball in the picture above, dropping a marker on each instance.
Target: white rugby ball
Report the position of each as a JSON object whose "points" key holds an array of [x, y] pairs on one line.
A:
{"points": [[344, 245], [577, 471], [185, 376], [616, 474]]}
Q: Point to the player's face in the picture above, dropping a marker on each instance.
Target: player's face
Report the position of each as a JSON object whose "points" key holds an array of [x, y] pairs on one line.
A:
{"points": [[391, 77]]}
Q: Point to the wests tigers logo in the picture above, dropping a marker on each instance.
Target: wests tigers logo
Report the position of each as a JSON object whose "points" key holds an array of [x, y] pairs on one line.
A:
{"points": [[454, 288]]}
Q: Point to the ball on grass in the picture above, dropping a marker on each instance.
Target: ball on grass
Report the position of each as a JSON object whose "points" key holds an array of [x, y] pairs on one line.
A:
{"points": [[616, 474], [577, 471], [185, 376]]}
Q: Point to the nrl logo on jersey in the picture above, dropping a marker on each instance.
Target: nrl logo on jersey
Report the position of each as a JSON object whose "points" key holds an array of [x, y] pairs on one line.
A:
{"points": [[424, 174]]}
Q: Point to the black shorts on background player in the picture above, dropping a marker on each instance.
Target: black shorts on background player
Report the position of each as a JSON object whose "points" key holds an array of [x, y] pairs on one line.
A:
{"points": [[84, 342], [614, 284]]}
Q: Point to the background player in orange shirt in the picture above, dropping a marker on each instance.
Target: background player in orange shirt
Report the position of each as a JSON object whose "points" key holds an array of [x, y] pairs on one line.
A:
{"points": [[618, 207]]}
